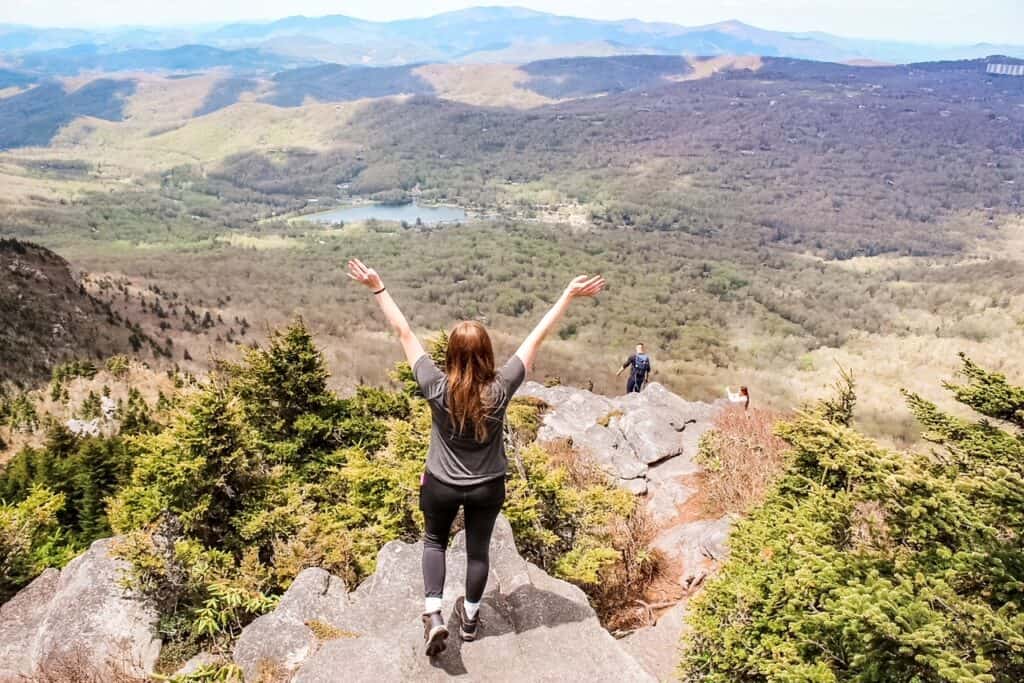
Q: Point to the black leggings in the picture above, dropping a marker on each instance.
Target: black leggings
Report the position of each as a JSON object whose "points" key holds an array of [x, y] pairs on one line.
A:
{"points": [[440, 502]]}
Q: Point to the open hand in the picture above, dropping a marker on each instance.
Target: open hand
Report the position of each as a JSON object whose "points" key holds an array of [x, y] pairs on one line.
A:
{"points": [[585, 285], [358, 271]]}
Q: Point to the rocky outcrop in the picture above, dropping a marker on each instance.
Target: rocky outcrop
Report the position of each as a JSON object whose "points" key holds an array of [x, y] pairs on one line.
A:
{"points": [[78, 616], [657, 647], [697, 547], [647, 442], [47, 316], [644, 441], [534, 627]]}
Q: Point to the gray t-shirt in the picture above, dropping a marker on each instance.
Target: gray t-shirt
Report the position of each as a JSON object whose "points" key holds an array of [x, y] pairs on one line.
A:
{"points": [[461, 460]]}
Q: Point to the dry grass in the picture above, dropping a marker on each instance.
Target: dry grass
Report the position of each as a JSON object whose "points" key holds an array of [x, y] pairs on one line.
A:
{"points": [[77, 666], [23, 190], [128, 149], [582, 470], [323, 631], [491, 85], [270, 671], [149, 382], [159, 101], [705, 67], [247, 241], [742, 457], [621, 598]]}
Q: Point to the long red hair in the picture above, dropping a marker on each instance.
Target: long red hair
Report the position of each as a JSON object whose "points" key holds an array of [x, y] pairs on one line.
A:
{"points": [[469, 364]]}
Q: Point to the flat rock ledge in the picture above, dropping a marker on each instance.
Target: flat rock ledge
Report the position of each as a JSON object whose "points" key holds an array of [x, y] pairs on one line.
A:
{"points": [[534, 627]]}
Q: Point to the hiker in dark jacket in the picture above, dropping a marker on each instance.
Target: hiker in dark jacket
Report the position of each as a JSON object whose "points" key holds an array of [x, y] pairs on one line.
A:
{"points": [[640, 363], [466, 464]]}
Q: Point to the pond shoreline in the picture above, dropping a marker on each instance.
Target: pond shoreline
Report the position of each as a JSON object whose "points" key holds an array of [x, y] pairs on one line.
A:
{"points": [[408, 212]]}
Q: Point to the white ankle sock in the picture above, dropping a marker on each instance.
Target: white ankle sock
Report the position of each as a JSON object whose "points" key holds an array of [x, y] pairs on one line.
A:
{"points": [[472, 608], [431, 605]]}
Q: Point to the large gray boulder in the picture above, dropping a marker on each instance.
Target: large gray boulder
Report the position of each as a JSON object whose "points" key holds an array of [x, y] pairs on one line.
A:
{"points": [[696, 547], [534, 627], [589, 421], [21, 617], [657, 647], [79, 616], [286, 637], [645, 441]]}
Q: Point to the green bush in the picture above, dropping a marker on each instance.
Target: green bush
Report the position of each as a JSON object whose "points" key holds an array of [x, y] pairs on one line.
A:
{"points": [[21, 414], [91, 407], [29, 534], [261, 473], [84, 471], [118, 365], [513, 304], [866, 564]]}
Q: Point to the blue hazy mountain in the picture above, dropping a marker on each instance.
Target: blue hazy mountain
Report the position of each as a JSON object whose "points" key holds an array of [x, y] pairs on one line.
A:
{"points": [[497, 33], [90, 57]]}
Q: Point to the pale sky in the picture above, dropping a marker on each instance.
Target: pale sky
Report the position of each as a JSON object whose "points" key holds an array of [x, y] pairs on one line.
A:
{"points": [[945, 21]]}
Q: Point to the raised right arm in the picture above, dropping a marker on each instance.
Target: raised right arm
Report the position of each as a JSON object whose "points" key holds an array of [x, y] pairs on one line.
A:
{"points": [[580, 287]]}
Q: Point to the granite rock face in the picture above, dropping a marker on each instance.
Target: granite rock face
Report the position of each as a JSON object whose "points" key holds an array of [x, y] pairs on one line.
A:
{"points": [[657, 647], [647, 442], [79, 615], [627, 435], [533, 628], [287, 636], [697, 546]]}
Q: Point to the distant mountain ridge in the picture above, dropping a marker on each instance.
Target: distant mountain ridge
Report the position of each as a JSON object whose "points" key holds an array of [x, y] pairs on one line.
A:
{"points": [[87, 57], [504, 33]]}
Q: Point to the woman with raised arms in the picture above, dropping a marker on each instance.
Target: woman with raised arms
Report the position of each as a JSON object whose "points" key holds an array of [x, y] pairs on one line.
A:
{"points": [[466, 462]]}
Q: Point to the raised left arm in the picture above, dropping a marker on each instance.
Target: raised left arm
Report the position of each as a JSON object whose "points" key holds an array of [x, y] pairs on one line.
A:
{"points": [[368, 277]]}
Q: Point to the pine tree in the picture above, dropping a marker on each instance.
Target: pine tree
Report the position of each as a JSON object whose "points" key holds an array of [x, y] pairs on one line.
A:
{"points": [[282, 382], [93, 479], [867, 564], [200, 470], [135, 414]]}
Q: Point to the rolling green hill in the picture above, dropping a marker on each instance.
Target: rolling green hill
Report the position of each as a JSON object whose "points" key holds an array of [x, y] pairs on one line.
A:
{"points": [[788, 214]]}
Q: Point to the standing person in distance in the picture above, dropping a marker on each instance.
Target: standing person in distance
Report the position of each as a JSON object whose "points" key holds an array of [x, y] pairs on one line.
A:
{"points": [[742, 396], [466, 462], [640, 364]]}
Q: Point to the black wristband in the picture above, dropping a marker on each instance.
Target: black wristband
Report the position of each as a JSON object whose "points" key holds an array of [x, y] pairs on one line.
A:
{"points": [[379, 291]]}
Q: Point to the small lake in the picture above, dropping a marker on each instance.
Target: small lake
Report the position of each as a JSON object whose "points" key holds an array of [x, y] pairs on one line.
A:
{"points": [[428, 215]]}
